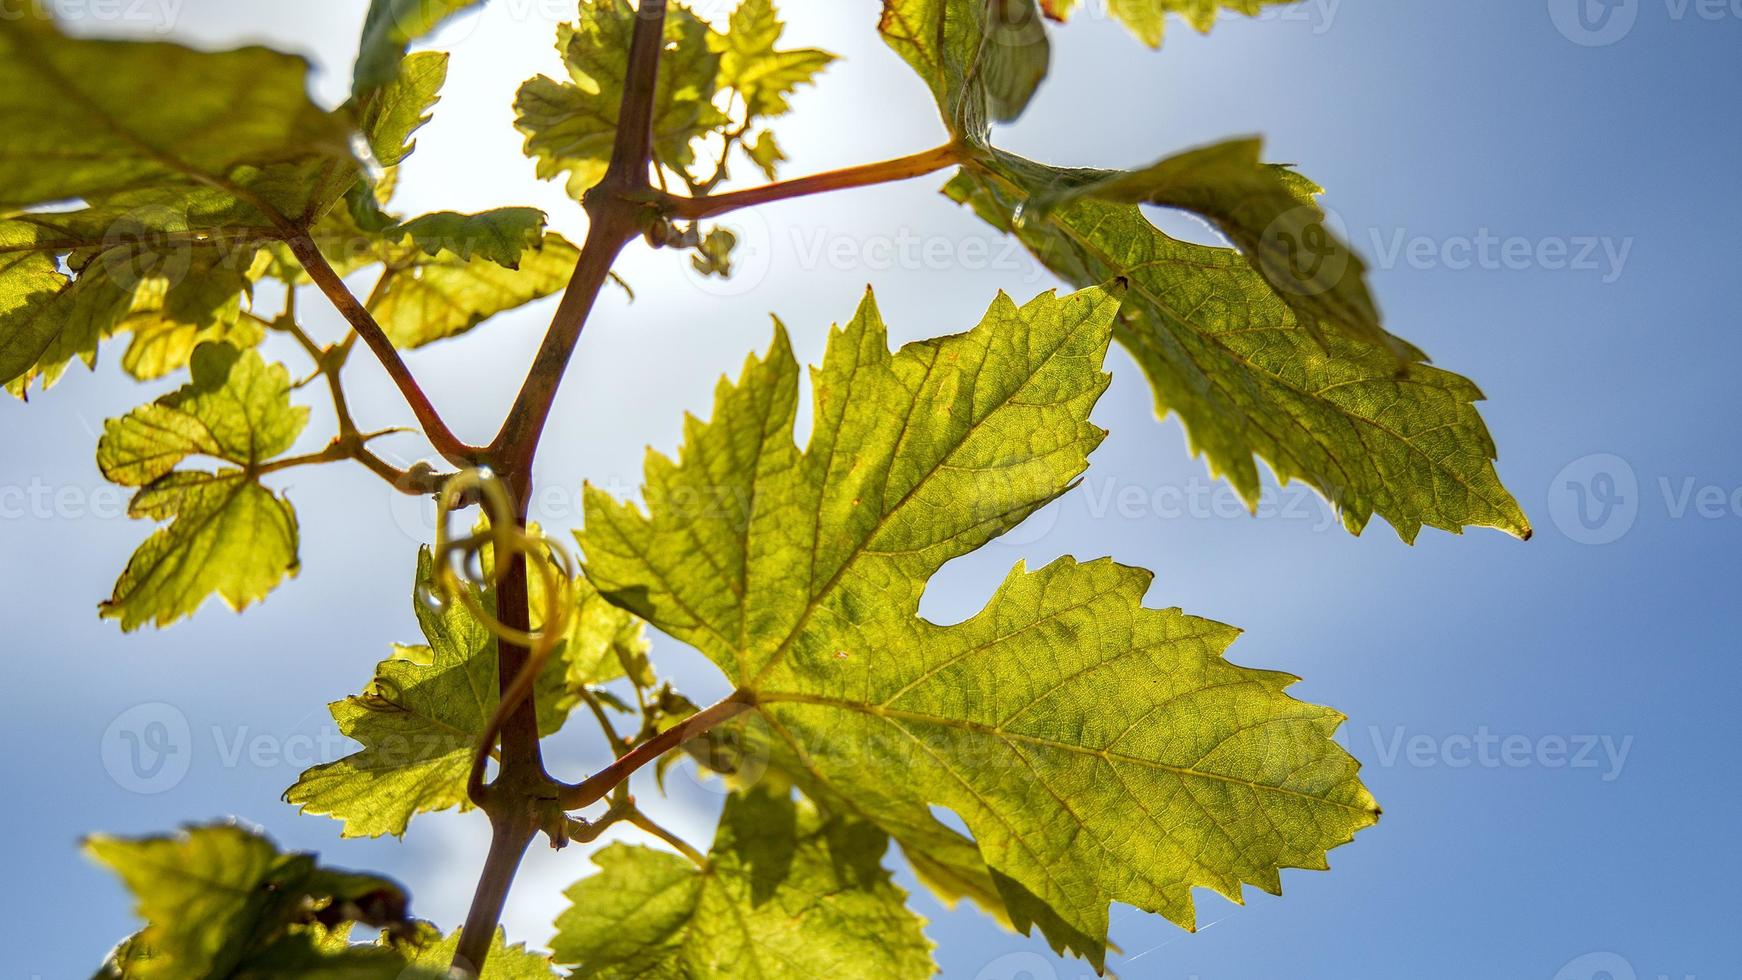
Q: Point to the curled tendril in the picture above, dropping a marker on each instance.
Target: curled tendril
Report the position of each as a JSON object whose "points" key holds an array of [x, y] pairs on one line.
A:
{"points": [[461, 576]]}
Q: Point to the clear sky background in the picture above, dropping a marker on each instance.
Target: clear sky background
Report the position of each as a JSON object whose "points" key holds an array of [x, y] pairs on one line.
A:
{"points": [[1594, 835]]}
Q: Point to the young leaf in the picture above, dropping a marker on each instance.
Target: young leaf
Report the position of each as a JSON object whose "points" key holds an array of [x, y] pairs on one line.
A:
{"points": [[1247, 378], [421, 717], [389, 115], [1148, 18], [388, 31], [749, 62], [570, 126], [785, 894], [222, 901], [502, 236], [1098, 750], [711, 83], [230, 536]]}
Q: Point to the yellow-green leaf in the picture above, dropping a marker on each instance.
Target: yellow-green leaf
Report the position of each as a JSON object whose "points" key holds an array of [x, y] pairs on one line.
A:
{"points": [[428, 298], [220, 900], [421, 717], [1099, 751], [786, 895], [1271, 214], [764, 75], [1148, 18], [1248, 379], [228, 535], [571, 125]]}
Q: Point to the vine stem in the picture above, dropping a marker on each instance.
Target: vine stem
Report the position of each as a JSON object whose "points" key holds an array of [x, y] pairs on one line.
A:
{"points": [[863, 175], [519, 800], [593, 789], [363, 322]]}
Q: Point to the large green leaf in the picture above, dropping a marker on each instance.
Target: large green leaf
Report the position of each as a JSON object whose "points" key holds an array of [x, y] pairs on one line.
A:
{"points": [[1224, 350], [177, 193], [1148, 18], [785, 894], [229, 536], [220, 900], [1269, 212], [78, 127], [421, 717], [1097, 750]]}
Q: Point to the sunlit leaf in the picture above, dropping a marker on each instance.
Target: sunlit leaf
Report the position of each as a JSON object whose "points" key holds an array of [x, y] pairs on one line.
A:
{"points": [[1098, 750], [220, 900], [785, 894], [421, 717], [228, 535], [1248, 379]]}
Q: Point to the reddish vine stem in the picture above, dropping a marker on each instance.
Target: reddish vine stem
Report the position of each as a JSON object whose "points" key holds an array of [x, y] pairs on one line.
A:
{"points": [[864, 175], [363, 322], [594, 788], [522, 791]]}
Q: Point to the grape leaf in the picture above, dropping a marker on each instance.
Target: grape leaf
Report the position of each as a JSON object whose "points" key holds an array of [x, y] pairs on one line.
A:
{"points": [[1098, 750], [501, 236], [220, 900], [766, 154], [749, 62], [176, 193], [390, 114], [502, 962], [235, 116], [1225, 352], [427, 298], [711, 84], [983, 61], [388, 31], [570, 126], [785, 893], [1269, 212], [422, 715], [229, 535], [1148, 18]]}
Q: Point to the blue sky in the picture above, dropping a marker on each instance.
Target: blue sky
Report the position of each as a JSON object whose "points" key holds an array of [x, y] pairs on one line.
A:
{"points": [[1550, 725]]}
